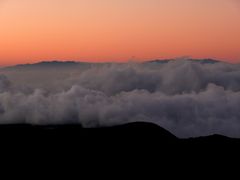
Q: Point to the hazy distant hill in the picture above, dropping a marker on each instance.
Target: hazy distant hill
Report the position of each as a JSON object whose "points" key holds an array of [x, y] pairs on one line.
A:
{"points": [[49, 65], [76, 64], [202, 61]]}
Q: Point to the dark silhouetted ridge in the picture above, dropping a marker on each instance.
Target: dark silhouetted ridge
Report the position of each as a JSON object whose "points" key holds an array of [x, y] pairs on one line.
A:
{"points": [[48, 64], [72, 64], [138, 132], [202, 61]]}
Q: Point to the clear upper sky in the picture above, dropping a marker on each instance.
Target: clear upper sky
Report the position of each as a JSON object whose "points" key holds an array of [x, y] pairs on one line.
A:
{"points": [[108, 30]]}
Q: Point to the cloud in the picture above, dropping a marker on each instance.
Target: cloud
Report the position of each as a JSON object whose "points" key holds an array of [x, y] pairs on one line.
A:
{"points": [[187, 98], [170, 78], [4, 83]]}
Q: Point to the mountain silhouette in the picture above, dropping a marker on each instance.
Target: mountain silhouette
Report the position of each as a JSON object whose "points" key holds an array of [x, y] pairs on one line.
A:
{"points": [[201, 61], [48, 64], [74, 64], [138, 133]]}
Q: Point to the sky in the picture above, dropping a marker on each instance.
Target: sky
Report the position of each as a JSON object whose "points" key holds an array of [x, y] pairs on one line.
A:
{"points": [[114, 30]]}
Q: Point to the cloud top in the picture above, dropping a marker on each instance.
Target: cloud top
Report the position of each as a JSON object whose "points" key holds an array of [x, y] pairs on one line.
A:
{"points": [[187, 98]]}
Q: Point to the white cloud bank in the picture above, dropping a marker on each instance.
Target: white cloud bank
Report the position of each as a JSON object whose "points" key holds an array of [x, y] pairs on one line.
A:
{"points": [[187, 98]]}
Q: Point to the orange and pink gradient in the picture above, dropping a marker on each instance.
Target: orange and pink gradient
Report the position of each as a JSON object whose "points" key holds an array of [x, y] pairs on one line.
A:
{"points": [[118, 30]]}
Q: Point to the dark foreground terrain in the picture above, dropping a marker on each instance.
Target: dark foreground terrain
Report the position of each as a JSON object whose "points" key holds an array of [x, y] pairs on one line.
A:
{"points": [[138, 133], [136, 142]]}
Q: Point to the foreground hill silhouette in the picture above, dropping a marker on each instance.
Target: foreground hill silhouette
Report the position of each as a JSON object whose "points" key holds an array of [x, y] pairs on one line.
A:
{"points": [[139, 133]]}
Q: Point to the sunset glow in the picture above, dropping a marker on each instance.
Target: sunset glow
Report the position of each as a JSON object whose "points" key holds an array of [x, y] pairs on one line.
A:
{"points": [[118, 30]]}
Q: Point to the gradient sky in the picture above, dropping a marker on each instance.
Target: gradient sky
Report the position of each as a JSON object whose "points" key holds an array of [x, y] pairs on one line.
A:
{"points": [[120, 30]]}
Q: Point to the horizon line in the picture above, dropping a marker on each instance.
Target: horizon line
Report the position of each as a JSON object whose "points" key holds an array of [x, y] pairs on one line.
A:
{"points": [[114, 61]]}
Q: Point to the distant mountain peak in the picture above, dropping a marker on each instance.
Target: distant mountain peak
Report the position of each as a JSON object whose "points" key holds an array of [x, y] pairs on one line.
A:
{"points": [[48, 64], [72, 64], [206, 61], [202, 61]]}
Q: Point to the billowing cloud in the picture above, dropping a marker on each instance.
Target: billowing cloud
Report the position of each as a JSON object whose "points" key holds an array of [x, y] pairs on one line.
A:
{"points": [[4, 83], [187, 98]]}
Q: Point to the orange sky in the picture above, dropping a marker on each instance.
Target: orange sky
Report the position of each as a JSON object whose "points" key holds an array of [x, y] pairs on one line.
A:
{"points": [[108, 30]]}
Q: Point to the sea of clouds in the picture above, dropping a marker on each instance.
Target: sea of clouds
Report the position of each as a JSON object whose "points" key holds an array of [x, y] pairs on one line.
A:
{"points": [[187, 98]]}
